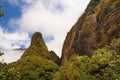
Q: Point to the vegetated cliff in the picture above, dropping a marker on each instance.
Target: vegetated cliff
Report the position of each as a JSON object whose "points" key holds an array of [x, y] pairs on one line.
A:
{"points": [[97, 27], [36, 63], [37, 50], [39, 47]]}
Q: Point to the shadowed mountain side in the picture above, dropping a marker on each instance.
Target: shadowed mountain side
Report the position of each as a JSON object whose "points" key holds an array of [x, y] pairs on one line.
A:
{"points": [[98, 26]]}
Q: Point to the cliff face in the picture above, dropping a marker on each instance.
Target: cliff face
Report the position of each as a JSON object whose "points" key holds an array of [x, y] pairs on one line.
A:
{"points": [[97, 27]]}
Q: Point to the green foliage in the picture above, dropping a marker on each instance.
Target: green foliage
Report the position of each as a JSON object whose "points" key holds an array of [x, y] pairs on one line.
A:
{"points": [[100, 57], [1, 13], [39, 48], [76, 68], [103, 65], [38, 72], [34, 67], [67, 72], [106, 62], [8, 74], [1, 53]]}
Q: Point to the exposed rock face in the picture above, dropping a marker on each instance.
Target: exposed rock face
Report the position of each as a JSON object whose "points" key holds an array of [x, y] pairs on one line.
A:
{"points": [[95, 28], [39, 48]]}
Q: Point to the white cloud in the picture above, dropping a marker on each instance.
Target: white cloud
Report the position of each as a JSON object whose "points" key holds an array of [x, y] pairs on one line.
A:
{"points": [[51, 17], [14, 2], [11, 55], [13, 40]]}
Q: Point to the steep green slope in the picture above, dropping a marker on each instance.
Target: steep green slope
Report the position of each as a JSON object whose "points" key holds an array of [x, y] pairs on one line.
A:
{"points": [[97, 27], [38, 47], [34, 67], [37, 63]]}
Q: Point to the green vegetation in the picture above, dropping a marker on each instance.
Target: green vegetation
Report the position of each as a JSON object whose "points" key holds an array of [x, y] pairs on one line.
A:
{"points": [[91, 50], [28, 68], [36, 63], [103, 65], [1, 53], [1, 13], [8, 73], [34, 67], [39, 48]]}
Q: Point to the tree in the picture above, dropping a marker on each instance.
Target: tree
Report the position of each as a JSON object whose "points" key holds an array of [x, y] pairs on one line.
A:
{"points": [[7, 73], [103, 65], [67, 71], [1, 53], [1, 13], [106, 62]]}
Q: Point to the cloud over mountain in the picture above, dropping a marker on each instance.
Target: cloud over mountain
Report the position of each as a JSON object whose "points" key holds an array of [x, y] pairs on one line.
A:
{"points": [[50, 17]]}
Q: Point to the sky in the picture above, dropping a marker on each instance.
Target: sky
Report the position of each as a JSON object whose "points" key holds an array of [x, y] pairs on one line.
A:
{"points": [[53, 18]]}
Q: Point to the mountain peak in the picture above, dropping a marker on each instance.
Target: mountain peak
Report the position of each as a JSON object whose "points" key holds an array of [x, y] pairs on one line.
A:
{"points": [[37, 35], [39, 48], [37, 40]]}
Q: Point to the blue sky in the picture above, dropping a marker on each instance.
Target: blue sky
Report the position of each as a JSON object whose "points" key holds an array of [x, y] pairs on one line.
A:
{"points": [[10, 12], [53, 18]]}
